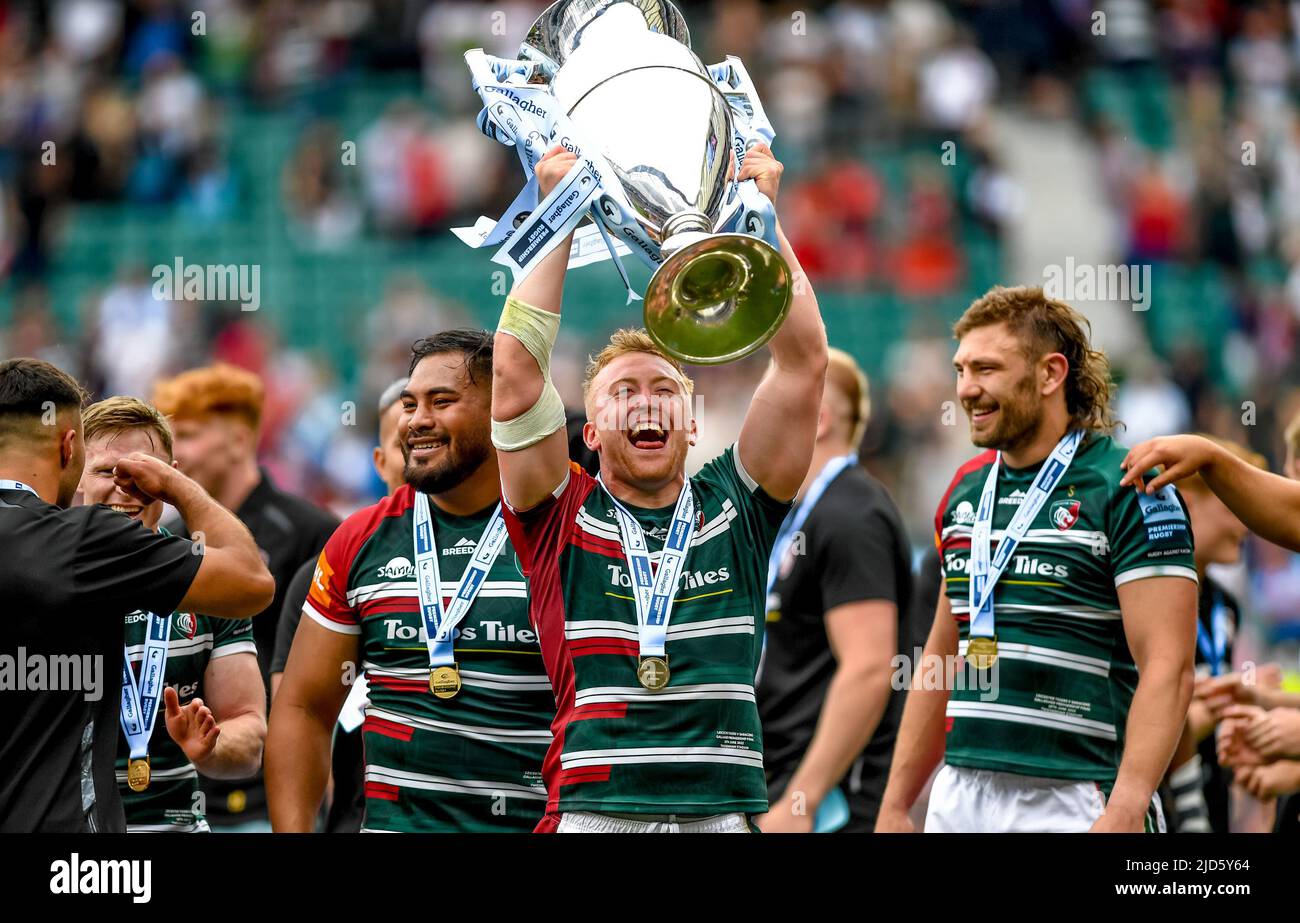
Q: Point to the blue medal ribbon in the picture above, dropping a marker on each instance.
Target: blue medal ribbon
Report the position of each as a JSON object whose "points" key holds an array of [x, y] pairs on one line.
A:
{"points": [[140, 698], [653, 592], [439, 624], [983, 573]]}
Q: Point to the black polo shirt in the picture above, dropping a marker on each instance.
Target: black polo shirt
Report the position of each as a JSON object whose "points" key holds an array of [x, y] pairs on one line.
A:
{"points": [[288, 531], [855, 549], [68, 577]]}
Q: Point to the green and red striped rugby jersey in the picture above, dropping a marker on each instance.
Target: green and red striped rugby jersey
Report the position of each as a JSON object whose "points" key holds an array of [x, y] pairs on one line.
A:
{"points": [[694, 747]]}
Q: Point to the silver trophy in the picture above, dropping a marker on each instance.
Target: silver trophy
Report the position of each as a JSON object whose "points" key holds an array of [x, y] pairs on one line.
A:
{"points": [[624, 73]]}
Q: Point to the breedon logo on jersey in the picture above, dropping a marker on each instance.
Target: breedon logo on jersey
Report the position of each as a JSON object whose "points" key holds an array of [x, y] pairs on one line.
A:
{"points": [[1065, 513], [1015, 498], [464, 546]]}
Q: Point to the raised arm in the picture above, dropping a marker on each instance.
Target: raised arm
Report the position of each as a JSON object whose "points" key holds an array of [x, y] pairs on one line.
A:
{"points": [[1267, 504], [1160, 622], [776, 440], [527, 413]]}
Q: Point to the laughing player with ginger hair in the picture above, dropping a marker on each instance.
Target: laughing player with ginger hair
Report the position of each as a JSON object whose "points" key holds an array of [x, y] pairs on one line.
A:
{"points": [[656, 729]]}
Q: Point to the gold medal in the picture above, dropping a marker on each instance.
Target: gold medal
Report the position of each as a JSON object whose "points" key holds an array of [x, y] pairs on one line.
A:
{"points": [[236, 801], [982, 653], [444, 682], [652, 672], [137, 774]]}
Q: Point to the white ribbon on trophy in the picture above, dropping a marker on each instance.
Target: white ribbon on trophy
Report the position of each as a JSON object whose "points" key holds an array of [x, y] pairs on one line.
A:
{"points": [[527, 117], [530, 119]]}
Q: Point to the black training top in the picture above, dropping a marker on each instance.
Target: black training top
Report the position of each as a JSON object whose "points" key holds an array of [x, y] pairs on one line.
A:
{"points": [[854, 549], [68, 578]]}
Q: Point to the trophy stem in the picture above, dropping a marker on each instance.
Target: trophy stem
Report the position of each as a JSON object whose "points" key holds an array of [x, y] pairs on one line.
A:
{"points": [[685, 227]]}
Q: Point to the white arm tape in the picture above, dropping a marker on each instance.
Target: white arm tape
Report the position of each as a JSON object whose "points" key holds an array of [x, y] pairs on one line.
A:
{"points": [[533, 327], [533, 425], [536, 329]]}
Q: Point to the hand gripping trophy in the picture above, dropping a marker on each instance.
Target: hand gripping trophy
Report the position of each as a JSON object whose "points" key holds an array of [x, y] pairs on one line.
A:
{"points": [[659, 139]]}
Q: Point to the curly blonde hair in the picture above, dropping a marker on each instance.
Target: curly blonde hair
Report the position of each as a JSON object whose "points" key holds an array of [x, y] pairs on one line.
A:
{"points": [[1045, 325]]}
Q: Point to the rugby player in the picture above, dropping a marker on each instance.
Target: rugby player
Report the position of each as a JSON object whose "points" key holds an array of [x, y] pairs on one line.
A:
{"points": [[69, 576], [1089, 619], [656, 729], [215, 706], [454, 733], [1253, 703], [346, 787]]}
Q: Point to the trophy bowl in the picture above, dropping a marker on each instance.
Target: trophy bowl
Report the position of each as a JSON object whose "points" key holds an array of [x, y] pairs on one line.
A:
{"points": [[624, 73]]}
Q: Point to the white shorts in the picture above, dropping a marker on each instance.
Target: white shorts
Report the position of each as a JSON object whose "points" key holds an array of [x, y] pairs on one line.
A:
{"points": [[966, 800], [587, 822]]}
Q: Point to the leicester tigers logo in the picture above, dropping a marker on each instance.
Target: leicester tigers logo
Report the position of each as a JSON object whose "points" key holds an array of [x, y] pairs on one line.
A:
{"points": [[186, 624], [1065, 513]]}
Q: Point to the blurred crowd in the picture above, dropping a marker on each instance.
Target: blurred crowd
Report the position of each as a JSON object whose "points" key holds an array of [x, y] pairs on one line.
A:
{"points": [[129, 103], [1223, 194]]}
